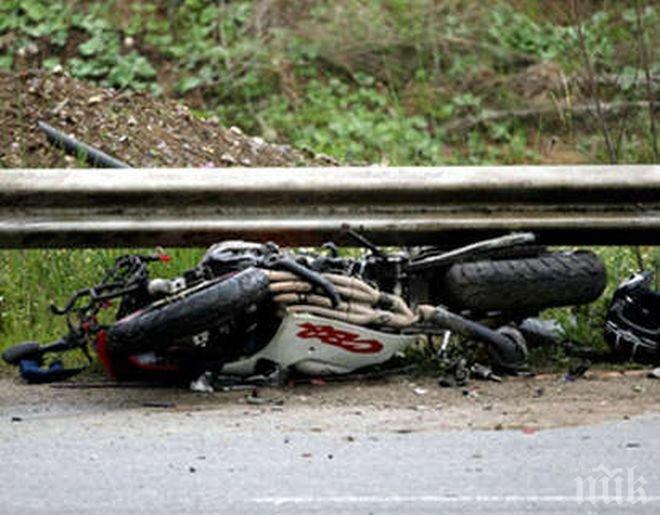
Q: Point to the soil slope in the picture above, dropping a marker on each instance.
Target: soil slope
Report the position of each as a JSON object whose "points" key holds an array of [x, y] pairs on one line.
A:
{"points": [[136, 128]]}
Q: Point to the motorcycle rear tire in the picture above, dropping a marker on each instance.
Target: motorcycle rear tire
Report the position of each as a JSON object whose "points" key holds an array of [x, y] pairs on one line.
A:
{"points": [[525, 285]]}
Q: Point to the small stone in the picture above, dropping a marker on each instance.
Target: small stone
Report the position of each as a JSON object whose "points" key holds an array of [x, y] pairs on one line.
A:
{"points": [[228, 158], [471, 394], [192, 470], [95, 99], [32, 49], [235, 130]]}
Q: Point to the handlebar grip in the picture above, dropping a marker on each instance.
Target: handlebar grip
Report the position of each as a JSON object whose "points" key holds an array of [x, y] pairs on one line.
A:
{"points": [[16, 353]]}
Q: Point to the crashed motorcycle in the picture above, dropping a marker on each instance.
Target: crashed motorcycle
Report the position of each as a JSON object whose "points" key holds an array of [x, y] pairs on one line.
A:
{"points": [[251, 309]]}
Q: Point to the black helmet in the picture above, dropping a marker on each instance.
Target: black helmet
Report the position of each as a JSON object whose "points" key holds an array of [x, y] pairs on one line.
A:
{"points": [[632, 327]]}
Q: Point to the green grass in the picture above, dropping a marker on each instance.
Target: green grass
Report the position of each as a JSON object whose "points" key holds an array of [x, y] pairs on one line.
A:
{"points": [[30, 280], [584, 324], [301, 75]]}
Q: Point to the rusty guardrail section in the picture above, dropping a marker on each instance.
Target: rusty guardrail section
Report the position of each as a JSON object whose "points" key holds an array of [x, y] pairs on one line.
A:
{"points": [[307, 206]]}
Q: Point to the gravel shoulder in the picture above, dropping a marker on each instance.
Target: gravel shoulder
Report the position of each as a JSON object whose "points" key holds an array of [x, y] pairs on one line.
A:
{"points": [[397, 404]]}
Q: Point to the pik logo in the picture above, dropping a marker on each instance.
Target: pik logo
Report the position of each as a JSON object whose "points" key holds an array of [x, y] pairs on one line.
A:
{"points": [[605, 485], [331, 336]]}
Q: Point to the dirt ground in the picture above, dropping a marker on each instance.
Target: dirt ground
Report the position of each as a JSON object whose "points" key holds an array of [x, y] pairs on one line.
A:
{"points": [[136, 128], [402, 404]]}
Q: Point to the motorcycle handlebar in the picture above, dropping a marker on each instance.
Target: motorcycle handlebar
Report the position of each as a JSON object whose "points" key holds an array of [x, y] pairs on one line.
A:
{"points": [[34, 351]]}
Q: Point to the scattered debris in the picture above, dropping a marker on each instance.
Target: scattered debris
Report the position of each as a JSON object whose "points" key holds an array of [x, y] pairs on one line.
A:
{"points": [[153, 404], [202, 384], [478, 371], [577, 370], [457, 374], [256, 399], [470, 394]]}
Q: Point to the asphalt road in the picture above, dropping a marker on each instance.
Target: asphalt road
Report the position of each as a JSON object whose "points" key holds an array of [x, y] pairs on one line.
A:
{"points": [[260, 460]]}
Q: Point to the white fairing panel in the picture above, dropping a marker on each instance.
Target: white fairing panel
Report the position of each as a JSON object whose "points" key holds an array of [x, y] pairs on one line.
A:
{"points": [[321, 346]]}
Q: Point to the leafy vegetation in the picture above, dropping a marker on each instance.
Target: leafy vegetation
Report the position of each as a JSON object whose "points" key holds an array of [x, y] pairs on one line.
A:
{"points": [[363, 81], [421, 82]]}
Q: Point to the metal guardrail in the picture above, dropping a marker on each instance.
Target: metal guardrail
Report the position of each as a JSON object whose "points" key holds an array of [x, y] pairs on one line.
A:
{"points": [[307, 206]]}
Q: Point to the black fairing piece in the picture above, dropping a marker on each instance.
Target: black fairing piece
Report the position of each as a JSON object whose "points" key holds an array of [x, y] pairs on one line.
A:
{"points": [[632, 328], [210, 324]]}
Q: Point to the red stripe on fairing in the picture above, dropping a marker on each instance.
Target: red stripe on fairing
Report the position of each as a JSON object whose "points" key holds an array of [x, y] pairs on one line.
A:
{"points": [[102, 351]]}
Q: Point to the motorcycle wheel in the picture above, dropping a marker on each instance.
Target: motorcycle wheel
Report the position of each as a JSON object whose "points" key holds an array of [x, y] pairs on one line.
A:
{"points": [[525, 285]]}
